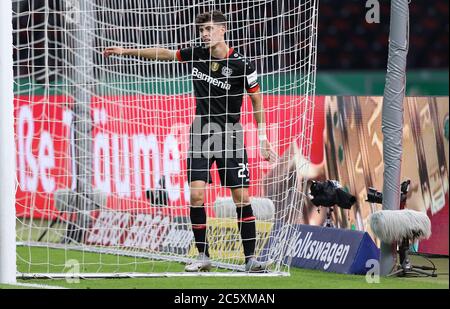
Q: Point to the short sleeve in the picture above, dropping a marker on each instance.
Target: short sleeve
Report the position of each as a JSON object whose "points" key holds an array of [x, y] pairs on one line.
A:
{"points": [[187, 54], [251, 78]]}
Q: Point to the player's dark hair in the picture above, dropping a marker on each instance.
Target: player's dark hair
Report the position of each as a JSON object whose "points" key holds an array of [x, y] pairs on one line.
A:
{"points": [[213, 16]]}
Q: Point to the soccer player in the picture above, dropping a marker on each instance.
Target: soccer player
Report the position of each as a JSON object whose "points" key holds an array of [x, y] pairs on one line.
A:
{"points": [[220, 77]]}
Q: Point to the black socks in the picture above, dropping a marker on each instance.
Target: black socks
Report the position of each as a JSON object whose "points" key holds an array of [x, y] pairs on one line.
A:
{"points": [[247, 227], [198, 220]]}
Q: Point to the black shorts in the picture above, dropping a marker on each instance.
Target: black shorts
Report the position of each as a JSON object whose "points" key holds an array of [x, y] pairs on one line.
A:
{"points": [[227, 150]]}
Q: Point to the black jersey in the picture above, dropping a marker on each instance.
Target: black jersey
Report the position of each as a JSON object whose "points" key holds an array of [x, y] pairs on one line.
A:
{"points": [[219, 84]]}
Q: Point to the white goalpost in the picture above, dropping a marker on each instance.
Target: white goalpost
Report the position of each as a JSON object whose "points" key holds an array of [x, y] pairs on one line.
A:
{"points": [[7, 152], [101, 143]]}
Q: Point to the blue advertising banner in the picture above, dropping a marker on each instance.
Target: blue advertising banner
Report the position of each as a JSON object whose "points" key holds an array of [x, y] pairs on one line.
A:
{"points": [[328, 249]]}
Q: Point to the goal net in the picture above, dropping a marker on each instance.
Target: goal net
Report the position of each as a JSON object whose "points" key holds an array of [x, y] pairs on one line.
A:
{"points": [[102, 142]]}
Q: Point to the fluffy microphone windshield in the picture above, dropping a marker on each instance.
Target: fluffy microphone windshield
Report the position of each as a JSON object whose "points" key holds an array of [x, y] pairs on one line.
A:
{"points": [[395, 225]]}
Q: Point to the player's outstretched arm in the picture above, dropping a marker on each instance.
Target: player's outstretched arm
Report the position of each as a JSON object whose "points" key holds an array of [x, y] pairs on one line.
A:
{"points": [[148, 53]]}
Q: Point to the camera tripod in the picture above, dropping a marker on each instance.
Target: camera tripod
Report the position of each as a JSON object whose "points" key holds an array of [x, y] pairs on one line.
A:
{"points": [[405, 268], [329, 220]]}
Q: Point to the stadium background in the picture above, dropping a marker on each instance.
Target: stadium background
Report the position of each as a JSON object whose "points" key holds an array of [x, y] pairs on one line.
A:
{"points": [[347, 65], [352, 54]]}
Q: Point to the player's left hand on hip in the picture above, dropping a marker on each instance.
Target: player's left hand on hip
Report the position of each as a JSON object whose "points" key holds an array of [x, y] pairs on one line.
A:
{"points": [[267, 152]]}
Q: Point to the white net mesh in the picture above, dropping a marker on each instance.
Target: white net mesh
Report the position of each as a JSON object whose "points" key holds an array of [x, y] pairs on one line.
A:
{"points": [[96, 136]]}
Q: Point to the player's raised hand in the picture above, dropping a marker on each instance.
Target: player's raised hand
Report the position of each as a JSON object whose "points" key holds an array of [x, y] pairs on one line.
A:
{"points": [[113, 50], [267, 151]]}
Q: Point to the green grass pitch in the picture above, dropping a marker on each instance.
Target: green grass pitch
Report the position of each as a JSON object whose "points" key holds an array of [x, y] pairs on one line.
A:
{"points": [[52, 260]]}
